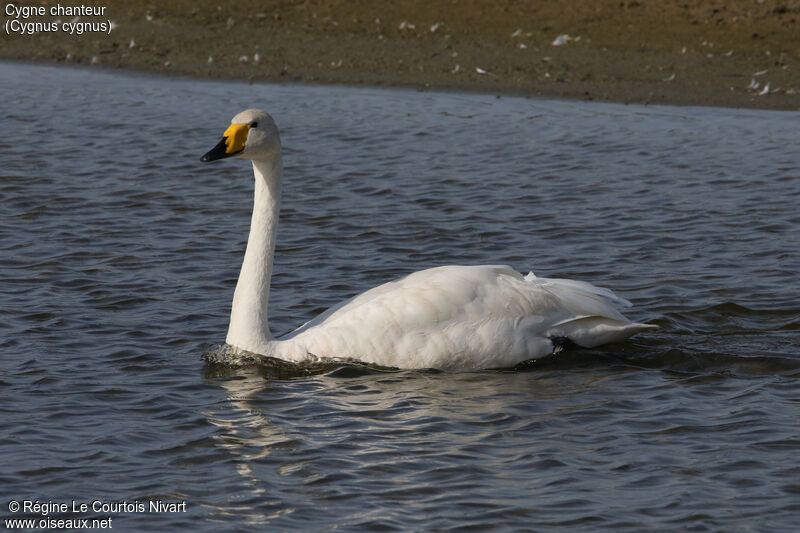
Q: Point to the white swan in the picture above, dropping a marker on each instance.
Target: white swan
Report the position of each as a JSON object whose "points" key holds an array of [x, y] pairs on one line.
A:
{"points": [[450, 317]]}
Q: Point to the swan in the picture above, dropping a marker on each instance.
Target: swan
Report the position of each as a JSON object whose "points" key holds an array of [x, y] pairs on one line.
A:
{"points": [[448, 318]]}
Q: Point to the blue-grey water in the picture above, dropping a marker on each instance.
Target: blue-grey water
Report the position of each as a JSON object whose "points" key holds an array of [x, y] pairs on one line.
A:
{"points": [[119, 251]]}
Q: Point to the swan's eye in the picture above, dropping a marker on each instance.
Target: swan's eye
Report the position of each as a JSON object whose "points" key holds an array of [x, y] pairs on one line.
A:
{"points": [[254, 124]]}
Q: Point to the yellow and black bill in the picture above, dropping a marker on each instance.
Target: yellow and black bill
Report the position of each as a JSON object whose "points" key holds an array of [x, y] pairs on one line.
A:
{"points": [[233, 142]]}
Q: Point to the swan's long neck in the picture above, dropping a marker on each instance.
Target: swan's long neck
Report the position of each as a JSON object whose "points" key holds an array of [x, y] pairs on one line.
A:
{"points": [[249, 326]]}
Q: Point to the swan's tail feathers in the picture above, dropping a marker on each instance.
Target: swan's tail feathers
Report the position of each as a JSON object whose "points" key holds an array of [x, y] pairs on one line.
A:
{"points": [[596, 319], [592, 331]]}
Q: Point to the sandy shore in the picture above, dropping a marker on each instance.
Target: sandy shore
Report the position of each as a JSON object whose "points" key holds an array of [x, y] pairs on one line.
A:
{"points": [[738, 53]]}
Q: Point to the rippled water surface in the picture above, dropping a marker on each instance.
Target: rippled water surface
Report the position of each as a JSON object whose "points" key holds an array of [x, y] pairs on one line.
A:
{"points": [[120, 251]]}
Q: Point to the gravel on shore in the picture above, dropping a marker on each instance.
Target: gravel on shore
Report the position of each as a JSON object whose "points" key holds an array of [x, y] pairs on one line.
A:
{"points": [[736, 53]]}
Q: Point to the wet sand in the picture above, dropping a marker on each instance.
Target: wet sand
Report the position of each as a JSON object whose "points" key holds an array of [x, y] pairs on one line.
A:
{"points": [[740, 53]]}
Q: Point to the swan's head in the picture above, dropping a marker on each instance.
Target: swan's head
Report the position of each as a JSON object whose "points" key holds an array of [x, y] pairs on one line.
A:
{"points": [[251, 135]]}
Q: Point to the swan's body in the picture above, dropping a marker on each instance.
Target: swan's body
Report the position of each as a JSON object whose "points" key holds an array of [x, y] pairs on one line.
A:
{"points": [[450, 317]]}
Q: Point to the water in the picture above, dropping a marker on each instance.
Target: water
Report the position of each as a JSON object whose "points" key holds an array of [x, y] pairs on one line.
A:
{"points": [[120, 251]]}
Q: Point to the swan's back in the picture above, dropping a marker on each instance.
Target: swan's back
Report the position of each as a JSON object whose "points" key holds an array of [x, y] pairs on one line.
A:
{"points": [[461, 317]]}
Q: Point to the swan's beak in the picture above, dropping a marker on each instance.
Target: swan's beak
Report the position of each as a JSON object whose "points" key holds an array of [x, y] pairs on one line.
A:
{"points": [[232, 143]]}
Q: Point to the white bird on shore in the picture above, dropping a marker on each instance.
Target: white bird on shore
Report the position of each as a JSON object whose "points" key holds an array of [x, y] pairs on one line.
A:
{"points": [[450, 317]]}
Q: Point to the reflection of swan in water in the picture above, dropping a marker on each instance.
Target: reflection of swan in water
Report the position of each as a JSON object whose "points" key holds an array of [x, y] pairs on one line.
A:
{"points": [[245, 432], [293, 447], [451, 317]]}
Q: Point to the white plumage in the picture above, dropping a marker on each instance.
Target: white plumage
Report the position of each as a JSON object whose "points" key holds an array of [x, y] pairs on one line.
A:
{"points": [[450, 317]]}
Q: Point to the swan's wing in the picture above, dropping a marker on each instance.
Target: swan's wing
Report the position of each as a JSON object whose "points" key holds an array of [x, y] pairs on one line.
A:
{"points": [[426, 297], [583, 299]]}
